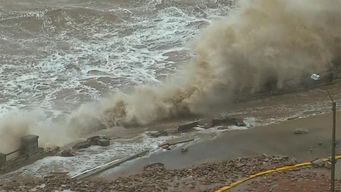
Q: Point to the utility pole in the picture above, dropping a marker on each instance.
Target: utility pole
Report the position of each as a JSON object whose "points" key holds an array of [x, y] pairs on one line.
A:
{"points": [[332, 158], [333, 161], [316, 77]]}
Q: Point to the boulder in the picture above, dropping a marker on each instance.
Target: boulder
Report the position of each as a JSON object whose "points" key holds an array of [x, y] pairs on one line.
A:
{"points": [[227, 121], [156, 134], [99, 140], [165, 146], [187, 126], [81, 145], [103, 142], [67, 153], [95, 140]]}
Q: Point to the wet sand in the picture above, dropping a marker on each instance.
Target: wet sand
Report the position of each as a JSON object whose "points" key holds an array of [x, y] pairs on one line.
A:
{"points": [[277, 139]]}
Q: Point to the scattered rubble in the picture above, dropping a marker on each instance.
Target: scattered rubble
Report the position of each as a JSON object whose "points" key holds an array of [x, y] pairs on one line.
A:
{"points": [[154, 177], [309, 179]]}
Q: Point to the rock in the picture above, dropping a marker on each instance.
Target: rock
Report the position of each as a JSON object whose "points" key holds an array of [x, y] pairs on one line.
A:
{"points": [[103, 142], [99, 140], [223, 128], [188, 126], [292, 118], [240, 165], [67, 153], [184, 149], [264, 155], [318, 163], [227, 121], [301, 131], [240, 123], [165, 146], [156, 134], [154, 166], [52, 150], [82, 145], [95, 140]]}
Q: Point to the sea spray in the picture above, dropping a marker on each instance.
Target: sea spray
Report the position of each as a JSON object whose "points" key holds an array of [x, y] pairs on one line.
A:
{"points": [[12, 128], [261, 42], [260, 45], [20, 123]]}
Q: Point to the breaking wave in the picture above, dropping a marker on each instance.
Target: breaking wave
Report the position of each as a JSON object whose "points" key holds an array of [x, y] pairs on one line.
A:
{"points": [[262, 41], [261, 45]]}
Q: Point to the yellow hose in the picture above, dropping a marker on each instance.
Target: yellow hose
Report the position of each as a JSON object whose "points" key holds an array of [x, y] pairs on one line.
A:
{"points": [[266, 172]]}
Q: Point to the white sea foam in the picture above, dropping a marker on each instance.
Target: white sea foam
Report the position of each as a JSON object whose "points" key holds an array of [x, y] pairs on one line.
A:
{"points": [[132, 51], [93, 156]]}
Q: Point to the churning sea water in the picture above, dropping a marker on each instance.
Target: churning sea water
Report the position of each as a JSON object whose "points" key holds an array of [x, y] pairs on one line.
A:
{"points": [[56, 55]]}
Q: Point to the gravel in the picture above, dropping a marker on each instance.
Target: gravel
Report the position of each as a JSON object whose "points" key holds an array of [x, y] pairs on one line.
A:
{"points": [[154, 177], [204, 177]]}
